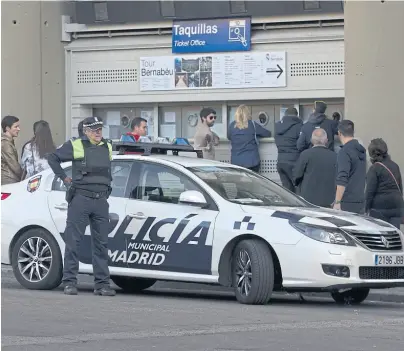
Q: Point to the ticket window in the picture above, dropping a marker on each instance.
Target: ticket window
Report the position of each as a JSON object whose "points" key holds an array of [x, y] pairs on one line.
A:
{"points": [[265, 115], [307, 109], [117, 121], [182, 121]]}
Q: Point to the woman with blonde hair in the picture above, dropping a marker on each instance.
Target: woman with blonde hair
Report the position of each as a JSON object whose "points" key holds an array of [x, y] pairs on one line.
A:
{"points": [[243, 134]]}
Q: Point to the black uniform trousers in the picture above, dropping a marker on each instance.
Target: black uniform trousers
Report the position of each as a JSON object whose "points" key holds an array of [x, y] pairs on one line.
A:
{"points": [[83, 210], [285, 171]]}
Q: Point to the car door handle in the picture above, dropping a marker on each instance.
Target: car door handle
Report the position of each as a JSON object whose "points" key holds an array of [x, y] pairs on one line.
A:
{"points": [[138, 215], [61, 206]]}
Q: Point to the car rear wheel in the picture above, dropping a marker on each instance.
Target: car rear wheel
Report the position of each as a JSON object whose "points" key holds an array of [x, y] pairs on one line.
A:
{"points": [[253, 272], [353, 296], [37, 261], [131, 284]]}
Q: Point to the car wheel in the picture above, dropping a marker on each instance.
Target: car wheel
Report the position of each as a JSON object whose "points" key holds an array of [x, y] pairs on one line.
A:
{"points": [[253, 272], [131, 284], [353, 296], [37, 261]]}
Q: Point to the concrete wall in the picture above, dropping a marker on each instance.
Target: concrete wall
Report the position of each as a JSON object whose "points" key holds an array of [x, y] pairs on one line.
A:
{"points": [[374, 76], [32, 65]]}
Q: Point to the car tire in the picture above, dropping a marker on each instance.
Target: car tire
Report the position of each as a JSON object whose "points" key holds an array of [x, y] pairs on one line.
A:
{"points": [[252, 259], [37, 261], [353, 296], [132, 284]]}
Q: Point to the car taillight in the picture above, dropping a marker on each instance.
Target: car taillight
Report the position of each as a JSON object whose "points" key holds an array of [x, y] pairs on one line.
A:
{"points": [[5, 195]]}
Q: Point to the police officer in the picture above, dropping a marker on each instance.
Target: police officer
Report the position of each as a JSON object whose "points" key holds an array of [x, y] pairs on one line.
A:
{"points": [[88, 191]]}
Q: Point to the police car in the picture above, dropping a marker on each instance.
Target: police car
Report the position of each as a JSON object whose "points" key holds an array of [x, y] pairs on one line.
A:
{"points": [[181, 218]]}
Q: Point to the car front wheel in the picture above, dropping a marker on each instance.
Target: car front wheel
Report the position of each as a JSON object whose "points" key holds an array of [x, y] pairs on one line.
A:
{"points": [[37, 261], [253, 272], [131, 284], [352, 296]]}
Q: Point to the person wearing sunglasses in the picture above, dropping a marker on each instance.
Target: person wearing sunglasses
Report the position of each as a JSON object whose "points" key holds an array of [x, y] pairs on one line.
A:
{"points": [[205, 139]]}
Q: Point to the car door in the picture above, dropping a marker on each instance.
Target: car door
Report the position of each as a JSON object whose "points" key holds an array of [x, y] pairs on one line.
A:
{"points": [[121, 171], [161, 233]]}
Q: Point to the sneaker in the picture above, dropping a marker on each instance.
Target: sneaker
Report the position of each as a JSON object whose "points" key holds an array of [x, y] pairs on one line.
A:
{"points": [[105, 291], [70, 290]]}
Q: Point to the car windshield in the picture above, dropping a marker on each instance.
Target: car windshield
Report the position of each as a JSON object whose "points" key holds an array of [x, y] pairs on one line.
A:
{"points": [[246, 187]]}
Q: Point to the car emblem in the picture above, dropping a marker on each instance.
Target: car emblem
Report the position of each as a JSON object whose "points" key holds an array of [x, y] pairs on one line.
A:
{"points": [[385, 242]]}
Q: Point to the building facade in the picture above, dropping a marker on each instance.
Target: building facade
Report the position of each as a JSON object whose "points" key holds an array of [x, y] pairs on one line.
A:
{"points": [[107, 50]]}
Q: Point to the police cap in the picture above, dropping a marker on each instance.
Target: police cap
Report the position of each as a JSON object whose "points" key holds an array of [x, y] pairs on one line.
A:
{"points": [[93, 123]]}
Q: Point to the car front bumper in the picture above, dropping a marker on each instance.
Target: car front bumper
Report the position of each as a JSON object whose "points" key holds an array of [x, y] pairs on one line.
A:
{"points": [[305, 272]]}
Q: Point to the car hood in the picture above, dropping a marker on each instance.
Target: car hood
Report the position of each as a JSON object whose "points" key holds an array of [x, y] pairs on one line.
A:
{"points": [[323, 217]]}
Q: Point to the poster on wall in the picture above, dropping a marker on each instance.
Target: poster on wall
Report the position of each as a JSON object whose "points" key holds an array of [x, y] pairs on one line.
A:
{"points": [[222, 71]]}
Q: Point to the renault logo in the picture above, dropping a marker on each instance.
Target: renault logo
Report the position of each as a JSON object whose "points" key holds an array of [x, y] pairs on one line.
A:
{"points": [[385, 242]]}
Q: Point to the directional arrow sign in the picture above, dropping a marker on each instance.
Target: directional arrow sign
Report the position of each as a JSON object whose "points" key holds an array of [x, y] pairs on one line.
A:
{"points": [[275, 70]]}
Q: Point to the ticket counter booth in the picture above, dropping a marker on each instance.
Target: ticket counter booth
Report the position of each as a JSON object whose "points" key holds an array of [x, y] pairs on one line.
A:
{"points": [[106, 78]]}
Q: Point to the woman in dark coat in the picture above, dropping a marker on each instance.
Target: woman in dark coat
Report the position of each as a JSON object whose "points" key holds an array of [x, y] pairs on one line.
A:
{"points": [[243, 134], [384, 190]]}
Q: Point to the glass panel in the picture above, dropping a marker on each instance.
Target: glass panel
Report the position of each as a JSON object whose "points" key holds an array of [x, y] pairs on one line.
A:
{"points": [[169, 122], [265, 115], [161, 184], [118, 120], [246, 187]]}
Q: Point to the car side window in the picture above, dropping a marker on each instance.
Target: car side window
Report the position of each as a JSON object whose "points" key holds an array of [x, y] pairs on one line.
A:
{"points": [[120, 171], [162, 184]]}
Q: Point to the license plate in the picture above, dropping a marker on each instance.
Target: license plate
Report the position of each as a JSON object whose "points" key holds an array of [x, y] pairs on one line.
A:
{"points": [[389, 260]]}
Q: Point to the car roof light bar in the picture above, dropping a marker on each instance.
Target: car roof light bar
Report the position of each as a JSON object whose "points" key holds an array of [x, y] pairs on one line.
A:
{"points": [[147, 149]]}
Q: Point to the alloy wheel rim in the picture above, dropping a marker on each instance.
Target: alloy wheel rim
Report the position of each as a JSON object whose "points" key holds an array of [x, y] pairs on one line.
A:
{"points": [[34, 259], [243, 273]]}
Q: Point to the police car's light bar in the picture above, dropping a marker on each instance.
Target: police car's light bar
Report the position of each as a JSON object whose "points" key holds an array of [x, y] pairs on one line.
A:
{"points": [[151, 148]]}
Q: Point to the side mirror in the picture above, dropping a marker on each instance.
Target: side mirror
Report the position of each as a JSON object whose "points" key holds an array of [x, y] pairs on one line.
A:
{"points": [[192, 197]]}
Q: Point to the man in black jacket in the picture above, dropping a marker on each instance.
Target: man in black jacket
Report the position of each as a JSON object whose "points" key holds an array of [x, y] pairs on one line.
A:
{"points": [[317, 119], [351, 171], [315, 171], [286, 134]]}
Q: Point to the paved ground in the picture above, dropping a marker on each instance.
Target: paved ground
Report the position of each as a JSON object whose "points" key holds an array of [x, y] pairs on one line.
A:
{"points": [[164, 319]]}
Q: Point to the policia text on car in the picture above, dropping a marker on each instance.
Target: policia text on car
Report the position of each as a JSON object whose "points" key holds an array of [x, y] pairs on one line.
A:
{"points": [[87, 194]]}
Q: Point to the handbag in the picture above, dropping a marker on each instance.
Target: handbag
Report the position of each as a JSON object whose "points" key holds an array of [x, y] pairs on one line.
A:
{"points": [[255, 133], [24, 171], [395, 180]]}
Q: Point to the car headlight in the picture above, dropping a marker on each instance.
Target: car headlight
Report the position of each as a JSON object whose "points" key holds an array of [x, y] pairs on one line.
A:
{"points": [[325, 235]]}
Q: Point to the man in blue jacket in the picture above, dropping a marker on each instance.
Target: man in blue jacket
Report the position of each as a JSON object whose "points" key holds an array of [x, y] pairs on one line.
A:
{"points": [[317, 119], [286, 134], [351, 171]]}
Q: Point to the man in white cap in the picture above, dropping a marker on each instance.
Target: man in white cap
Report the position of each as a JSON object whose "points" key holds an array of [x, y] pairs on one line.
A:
{"points": [[88, 191]]}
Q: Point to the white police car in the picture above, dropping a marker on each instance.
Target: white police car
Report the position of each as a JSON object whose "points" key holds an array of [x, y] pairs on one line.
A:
{"points": [[189, 219]]}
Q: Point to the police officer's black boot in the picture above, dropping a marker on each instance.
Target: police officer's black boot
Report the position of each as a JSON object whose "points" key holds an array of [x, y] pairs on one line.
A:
{"points": [[70, 290], [105, 291]]}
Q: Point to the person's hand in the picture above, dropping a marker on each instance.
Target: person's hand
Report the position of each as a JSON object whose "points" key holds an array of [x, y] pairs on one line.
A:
{"points": [[337, 207], [67, 180]]}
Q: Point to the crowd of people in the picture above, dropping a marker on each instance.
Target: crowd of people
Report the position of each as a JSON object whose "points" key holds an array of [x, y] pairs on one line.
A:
{"points": [[33, 154], [319, 160], [311, 165]]}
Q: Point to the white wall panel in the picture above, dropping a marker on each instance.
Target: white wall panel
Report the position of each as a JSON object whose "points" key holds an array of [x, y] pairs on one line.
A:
{"points": [[314, 59]]}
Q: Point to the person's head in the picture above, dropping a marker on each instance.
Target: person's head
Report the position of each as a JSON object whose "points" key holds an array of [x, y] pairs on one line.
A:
{"points": [[346, 131], [139, 126], [43, 138], [242, 116], [378, 150], [10, 126], [320, 107], [80, 129], [291, 112], [336, 116], [208, 116], [319, 137], [92, 128]]}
